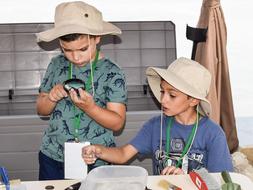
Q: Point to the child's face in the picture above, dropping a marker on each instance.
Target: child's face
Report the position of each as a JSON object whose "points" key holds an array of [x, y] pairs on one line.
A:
{"points": [[173, 101], [81, 50]]}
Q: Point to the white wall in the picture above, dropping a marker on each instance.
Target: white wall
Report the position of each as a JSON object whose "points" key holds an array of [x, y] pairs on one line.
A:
{"points": [[181, 12], [238, 15]]}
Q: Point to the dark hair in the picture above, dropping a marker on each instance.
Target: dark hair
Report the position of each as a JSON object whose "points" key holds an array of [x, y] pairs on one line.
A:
{"points": [[73, 37]]}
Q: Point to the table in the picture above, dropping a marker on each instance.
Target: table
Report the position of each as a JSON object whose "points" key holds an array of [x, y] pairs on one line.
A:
{"points": [[154, 182], [40, 185], [184, 181]]}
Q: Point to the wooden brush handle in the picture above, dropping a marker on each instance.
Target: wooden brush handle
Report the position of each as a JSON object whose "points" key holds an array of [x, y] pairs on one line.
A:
{"points": [[226, 177]]}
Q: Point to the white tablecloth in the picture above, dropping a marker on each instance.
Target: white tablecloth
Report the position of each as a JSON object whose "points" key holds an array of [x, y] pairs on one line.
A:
{"points": [[154, 182]]}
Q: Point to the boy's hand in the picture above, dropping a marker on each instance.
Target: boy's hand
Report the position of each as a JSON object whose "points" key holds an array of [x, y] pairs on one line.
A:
{"points": [[172, 170], [57, 93], [84, 100], [90, 153]]}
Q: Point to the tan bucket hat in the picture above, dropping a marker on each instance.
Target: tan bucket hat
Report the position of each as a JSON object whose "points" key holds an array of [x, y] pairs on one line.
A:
{"points": [[187, 76], [77, 17]]}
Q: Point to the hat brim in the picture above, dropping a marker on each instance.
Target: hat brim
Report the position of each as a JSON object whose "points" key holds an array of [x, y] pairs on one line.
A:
{"points": [[56, 32], [154, 76]]}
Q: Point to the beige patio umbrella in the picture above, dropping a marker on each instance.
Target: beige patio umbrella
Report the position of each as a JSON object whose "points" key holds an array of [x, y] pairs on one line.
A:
{"points": [[213, 55]]}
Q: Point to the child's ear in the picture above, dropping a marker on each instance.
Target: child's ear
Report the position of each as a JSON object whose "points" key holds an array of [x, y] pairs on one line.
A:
{"points": [[194, 102], [97, 39]]}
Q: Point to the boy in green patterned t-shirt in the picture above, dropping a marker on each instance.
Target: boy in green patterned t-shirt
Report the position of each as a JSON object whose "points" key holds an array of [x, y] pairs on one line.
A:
{"points": [[86, 115]]}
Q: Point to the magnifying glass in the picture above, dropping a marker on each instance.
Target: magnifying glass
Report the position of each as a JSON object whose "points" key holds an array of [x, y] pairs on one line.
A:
{"points": [[73, 84]]}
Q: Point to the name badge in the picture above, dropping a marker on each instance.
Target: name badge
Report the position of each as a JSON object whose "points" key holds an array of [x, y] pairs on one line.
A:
{"points": [[185, 163], [169, 162], [74, 166]]}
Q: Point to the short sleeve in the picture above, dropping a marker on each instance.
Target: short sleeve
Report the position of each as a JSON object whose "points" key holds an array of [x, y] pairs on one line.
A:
{"points": [[47, 82], [117, 86], [143, 140], [219, 158]]}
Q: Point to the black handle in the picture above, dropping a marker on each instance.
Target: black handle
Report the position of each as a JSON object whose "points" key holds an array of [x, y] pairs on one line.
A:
{"points": [[11, 93], [74, 186], [145, 89]]}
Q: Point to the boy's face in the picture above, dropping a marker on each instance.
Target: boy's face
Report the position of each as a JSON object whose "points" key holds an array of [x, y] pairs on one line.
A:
{"points": [[80, 51], [174, 102]]}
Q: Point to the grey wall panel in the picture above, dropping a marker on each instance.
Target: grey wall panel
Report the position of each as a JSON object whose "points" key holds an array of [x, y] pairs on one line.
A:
{"points": [[20, 138], [21, 165], [6, 43], [6, 28], [19, 161], [24, 79], [133, 75], [154, 57], [6, 80], [14, 142], [27, 175], [45, 58], [25, 61], [171, 55], [129, 40], [6, 60], [152, 39], [129, 57], [44, 26], [25, 28], [25, 42], [128, 26], [170, 39], [21, 129], [152, 25], [24, 120]]}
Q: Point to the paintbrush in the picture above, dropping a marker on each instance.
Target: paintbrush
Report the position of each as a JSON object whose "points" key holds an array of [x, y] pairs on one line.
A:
{"points": [[229, 184]]}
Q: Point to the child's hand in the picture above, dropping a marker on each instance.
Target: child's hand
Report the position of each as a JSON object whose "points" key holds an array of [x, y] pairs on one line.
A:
{"points": [[84, 100], [90, 153], [57, 93], [172, 170]]}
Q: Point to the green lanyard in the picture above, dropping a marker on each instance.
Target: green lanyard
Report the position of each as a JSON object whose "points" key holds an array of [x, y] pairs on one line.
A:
{"points": [[90, 79], [88, 85], [189, 141]]}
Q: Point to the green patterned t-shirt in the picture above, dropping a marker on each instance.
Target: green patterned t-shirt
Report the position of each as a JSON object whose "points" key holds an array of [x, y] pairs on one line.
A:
{"points": [[109, 86]]}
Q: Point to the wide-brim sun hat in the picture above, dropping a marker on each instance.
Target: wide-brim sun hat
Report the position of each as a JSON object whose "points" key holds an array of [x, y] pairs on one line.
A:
{"points": [[185, 75], [77, 17]]}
